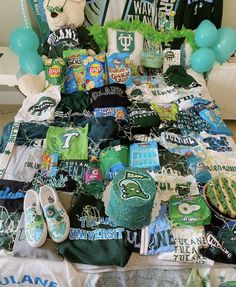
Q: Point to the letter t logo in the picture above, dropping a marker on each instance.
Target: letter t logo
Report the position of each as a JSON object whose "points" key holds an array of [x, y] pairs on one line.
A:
{"points": [[67, 138]]}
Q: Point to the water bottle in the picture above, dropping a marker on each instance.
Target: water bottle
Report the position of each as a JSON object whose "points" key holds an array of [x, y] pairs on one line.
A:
{"points": [[93, 177], [198, 169]]}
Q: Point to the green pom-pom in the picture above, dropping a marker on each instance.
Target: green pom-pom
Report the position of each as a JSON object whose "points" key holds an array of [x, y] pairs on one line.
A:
{"points": [[100, 33]]}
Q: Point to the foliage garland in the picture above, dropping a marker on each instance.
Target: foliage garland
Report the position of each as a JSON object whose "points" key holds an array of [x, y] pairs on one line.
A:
{"points": [[100, 33]]}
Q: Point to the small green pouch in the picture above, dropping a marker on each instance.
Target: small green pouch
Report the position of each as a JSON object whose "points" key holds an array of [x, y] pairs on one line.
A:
{"points": [[112, 160], [189, 211], [166, 112]]}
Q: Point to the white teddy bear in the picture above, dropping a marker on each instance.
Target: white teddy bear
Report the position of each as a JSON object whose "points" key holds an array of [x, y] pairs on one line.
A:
{"points": [[65, 19]]}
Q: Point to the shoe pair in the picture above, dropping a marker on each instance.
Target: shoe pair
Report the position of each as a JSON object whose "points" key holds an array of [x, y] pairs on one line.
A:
{"points": [[38, 206]]}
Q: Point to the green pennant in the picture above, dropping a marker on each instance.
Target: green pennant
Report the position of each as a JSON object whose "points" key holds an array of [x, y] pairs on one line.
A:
{"points": [[40, 17]]}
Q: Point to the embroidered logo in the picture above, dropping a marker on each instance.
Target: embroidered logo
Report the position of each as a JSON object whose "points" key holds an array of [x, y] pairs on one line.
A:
{"points": [[130, 188], [91, 214], [125, 41]]}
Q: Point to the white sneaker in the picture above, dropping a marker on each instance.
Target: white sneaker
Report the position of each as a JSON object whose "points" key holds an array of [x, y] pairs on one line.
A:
{"points": [[35, 225], [56, 217]]}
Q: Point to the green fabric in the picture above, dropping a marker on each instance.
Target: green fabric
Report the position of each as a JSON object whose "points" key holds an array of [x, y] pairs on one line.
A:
{"points": [[167, 112], [113, 159], [74, 102], [69, 143], [59, 41], [189, 211], [101, 37], [141, 114], [94, 239], [194, 279], [177, 76], [9, 222]]}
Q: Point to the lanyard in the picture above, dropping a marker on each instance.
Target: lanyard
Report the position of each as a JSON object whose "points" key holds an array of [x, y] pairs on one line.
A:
{"points": [[5, 156]]}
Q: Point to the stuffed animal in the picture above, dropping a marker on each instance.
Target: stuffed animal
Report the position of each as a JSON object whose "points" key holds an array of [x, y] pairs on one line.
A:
{"points": [[65, 19]]}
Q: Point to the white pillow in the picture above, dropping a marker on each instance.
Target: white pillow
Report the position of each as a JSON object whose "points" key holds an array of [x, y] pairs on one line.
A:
{"points": [[126, 41]]}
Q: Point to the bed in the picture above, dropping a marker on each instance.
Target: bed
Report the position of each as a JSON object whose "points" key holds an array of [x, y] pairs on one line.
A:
{"points": [[22, 265]]}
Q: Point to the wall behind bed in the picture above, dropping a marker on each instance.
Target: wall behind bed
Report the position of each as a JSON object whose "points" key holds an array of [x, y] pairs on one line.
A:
{"points": [[10, 17], [229, 19]]}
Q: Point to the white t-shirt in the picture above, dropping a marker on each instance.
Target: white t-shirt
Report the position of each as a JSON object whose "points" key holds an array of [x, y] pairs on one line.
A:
{"points": [[40, 107], [24, 163]]}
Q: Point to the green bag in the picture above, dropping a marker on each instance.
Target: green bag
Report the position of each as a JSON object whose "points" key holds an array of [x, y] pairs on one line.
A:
{"points": [[189, 211], [112, 160]]}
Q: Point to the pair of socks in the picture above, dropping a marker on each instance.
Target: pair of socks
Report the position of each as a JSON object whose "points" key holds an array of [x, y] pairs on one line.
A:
{"points": [[44, 211]]}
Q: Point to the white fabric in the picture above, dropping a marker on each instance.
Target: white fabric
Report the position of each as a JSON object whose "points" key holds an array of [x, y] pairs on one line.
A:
{"points": [[39, 107], [169, 189], [171, 57], [24, 163], [221, 165], [221, 145], [187, 242], [30, 272], [162, 95]]}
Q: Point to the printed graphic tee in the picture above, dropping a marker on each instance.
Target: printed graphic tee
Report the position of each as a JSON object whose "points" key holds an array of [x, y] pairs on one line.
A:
{"points": [[24, 163], [94, 238], [157, 236], [40, 107], [220, 236], [69, 143], [187, 244]]}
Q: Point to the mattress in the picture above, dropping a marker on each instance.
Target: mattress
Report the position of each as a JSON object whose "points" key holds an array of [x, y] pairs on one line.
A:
{"points": [[177, 268]]}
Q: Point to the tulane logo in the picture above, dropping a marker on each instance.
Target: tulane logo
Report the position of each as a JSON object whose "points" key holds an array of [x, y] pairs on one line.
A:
{"points": [[125, 41], [91, 213], [227, 235], [43, 104], [66, 138], [130, 188]]}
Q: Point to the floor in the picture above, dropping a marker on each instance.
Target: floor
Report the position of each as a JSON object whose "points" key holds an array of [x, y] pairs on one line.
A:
{"points": [[7, 113]]}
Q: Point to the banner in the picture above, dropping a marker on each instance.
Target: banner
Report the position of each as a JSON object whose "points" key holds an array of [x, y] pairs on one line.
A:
{"points": [[39, 14]]}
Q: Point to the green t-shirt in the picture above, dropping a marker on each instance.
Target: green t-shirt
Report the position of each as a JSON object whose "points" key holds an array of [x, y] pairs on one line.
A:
{"points": [[69, 143]]}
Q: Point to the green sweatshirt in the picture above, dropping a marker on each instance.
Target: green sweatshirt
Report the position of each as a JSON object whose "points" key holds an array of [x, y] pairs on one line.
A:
{"points": [[94, 238]]}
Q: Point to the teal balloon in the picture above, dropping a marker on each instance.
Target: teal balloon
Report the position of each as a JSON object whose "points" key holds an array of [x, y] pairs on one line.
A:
{"points": [[202, 60], [23, 39], [225, 44], [31, 62], [206, 34]]}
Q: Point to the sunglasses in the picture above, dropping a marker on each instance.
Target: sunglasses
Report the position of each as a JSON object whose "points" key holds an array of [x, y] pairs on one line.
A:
{"points": [[57, 9]]}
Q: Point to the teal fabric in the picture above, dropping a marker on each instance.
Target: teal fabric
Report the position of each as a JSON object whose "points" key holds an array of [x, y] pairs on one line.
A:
{"points": [[28, 132]]}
